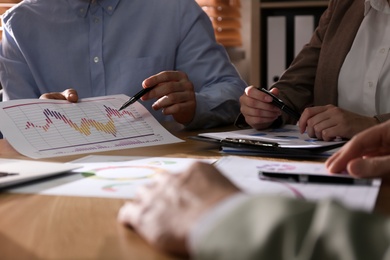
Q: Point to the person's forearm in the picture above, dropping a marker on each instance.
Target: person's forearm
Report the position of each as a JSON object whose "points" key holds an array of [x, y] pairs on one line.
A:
{"points": [[279, 228]]}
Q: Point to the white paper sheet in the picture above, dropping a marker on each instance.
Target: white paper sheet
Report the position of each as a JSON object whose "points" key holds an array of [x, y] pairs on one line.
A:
{"points": [[14, 171], [119, 179], [286, 137], [122, 179], [244, 173], [40, 128]]}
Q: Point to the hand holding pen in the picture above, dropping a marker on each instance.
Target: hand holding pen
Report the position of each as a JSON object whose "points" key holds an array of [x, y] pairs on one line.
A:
{"points": [[261, 109], [280, 104], [135, 98], [174, 95]]}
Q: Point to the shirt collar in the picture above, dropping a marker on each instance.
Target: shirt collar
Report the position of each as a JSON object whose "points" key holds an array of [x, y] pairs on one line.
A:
{"points": [[82, 7], [379, 5]]}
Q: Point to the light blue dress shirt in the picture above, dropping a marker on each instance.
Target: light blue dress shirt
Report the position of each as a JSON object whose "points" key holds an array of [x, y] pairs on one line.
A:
{"points": [[110, 47]]}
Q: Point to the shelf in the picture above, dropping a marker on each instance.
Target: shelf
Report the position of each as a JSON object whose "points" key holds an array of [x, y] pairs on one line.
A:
{"points": [[293, 4]]}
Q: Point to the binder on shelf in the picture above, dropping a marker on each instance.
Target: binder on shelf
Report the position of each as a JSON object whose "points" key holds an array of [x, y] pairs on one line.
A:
{"points": [[284, 31], [276, 42], [303, 30]]}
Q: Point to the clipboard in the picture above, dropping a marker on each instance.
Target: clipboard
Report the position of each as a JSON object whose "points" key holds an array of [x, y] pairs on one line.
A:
{"points": [[256, 148], [283, 142]]}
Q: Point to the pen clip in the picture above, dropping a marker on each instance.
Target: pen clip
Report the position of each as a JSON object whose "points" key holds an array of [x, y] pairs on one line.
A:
{"points": [[251, 142]]}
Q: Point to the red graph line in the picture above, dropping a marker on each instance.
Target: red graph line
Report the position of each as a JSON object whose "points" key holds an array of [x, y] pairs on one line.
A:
{"points": [[85, 124]]}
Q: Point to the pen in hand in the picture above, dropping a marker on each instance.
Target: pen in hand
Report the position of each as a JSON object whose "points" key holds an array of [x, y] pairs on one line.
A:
{"points": [[135, 98], [280, 104]]}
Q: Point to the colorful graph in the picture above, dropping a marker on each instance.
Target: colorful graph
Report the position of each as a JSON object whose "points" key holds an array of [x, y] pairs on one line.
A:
{"points": [[56, 127], [126, 172], [85, 123], [119, 179]]}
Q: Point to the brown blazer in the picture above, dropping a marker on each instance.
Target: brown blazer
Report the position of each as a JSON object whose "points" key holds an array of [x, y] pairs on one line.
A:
{"points": [[312, 77]]}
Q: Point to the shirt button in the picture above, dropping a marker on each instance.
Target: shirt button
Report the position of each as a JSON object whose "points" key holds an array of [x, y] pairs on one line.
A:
{"points": [[382, 50], [82, 10], [109, 8], [370, 84], [96, 20], [96, 59]]}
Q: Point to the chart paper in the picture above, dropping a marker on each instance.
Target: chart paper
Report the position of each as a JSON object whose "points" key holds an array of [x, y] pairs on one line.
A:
{"points": [[40, 128]]}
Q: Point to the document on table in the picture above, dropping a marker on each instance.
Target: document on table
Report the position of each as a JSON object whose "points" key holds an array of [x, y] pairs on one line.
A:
{"points": [[14, 171], [115, 179], [287, 136], [244, 172], [40, 128], [284, 142]]}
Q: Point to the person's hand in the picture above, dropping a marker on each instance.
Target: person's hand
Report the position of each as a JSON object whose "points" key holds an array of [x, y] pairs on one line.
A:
{"points": [[257, 109], [328, 122], [367, 155], [68, 94], [174, 93], [165, 211]]}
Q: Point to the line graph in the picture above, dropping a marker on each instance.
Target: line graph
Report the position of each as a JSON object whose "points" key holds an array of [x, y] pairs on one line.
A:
{"points": [[56, 127]]}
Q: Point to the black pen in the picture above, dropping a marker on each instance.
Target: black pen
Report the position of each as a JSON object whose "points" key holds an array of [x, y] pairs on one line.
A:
{"points": [[135, 98], [5, 174], [310, 178], [280, 104], [250, 142]]}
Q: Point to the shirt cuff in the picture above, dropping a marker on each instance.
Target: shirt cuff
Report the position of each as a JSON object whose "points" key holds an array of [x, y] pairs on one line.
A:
{"points": [[211, 217]]}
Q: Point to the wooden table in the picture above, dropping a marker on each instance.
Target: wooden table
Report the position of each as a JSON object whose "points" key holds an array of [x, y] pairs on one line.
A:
{"points": [[59, 227]]}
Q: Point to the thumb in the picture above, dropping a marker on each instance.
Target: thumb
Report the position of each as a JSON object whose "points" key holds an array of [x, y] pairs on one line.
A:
{"points": [[370, 167], [70, 95], [275, 91]]}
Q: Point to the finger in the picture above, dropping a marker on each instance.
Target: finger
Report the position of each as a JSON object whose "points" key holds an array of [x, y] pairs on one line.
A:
{"points": [[366, 142], [327, 130], [129, 214], [177, 91], [370, 167], [172, 95], [338, 161], [256, 108], [256, 94], [252, 107], [310, 132], [331, 133], [185, 110], [53, 95], [260, 112], [164, 76], [329, 162], [319, 124], [308, 114], [70, 95], [275, 91], [302, 123]]}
